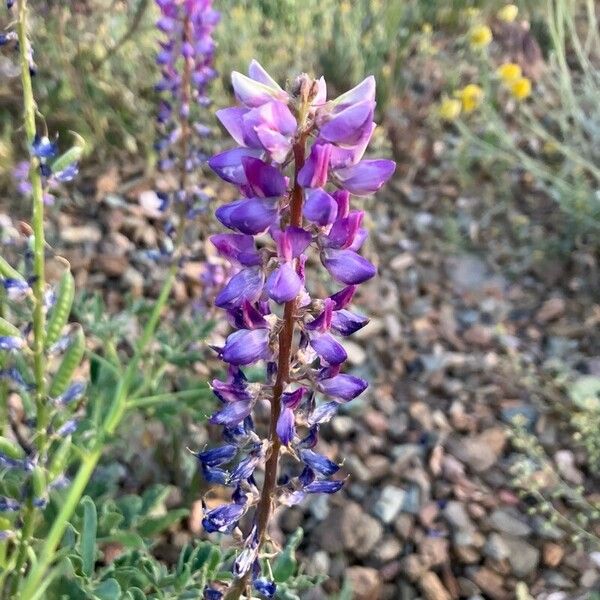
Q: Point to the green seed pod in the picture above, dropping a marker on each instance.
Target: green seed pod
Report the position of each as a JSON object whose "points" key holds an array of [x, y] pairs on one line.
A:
{"points": [[11, 449], [64, 160], [61, 309], [7, 271], [70, 362], [7, 328], [38, 482], [59, 459]]}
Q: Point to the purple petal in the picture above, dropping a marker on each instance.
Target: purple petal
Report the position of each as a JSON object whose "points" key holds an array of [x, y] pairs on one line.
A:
{"points": [[344, 231], [314, 172], [232, 414], [228, 165], [246, 346], [231, 119], [342, 198], [342, 298], [265, 586], [319, 463], [223, 518], [292, 241], [251, 216], [253, 93], [283, 284], [276, 144], [292, 399], [324, 487], [346, 266], [217, 456], [346, 322], [366, 177], [346, 156], [273, 115], [237, 247], [245, 286], [345, 387], [258, 73], [323, 413], [365, 90], [328, 349], [349, 125], [323, 322], [286, 427], [320, 207], [264, 180]]}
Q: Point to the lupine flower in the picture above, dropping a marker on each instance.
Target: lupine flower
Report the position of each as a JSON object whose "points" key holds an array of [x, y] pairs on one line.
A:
{"points": [[185, 60], [8, 342], [298, 161]]}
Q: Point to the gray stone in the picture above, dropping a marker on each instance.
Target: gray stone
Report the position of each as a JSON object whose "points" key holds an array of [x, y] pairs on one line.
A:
{"points": [[412, 500], [495, 547], [523, 557], [318, 563], [343, 426], [456, 515], [348, 527], [509, 522], [319, 507], [389, 503]]}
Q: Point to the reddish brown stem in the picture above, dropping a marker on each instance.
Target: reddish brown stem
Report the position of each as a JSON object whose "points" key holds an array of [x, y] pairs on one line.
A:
{"points": [[286, 337]]}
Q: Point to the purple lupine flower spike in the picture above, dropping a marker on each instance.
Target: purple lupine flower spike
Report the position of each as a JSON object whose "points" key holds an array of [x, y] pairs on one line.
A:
{"points": [[298, 161], [185, 59]]}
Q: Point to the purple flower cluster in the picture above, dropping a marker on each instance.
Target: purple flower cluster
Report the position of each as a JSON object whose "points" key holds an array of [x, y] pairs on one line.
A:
{"points": [[185, 59], [298, 161]]}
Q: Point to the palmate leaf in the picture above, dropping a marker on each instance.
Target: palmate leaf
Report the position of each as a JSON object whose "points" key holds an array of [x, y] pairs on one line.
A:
{"points": [[151, 526], [108, 590]]}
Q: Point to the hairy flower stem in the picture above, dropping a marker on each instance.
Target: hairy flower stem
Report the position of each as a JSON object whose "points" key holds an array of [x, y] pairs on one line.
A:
{"points": [[29, 109], [286, 337], [38, 230]]}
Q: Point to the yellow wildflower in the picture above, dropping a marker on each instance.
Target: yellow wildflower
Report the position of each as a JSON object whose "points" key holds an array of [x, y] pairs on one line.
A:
{"points": [[427, 28], [509, 72], [480, 36], [521, 88], [508, 13], [470, 96], [449, 109]]}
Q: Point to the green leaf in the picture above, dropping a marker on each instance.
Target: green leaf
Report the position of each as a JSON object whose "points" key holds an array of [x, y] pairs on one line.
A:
{"points": [[88, 535], [286, 564], [150, 526], [129, 539], [108, 590], [135, 593], [131, 507], [153, 497]]}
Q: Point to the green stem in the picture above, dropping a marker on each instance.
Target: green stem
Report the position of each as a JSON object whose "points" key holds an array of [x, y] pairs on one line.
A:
{"points": [[38, 229], [55, 534], [89, 462], [39, 318], [26, 533]]}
